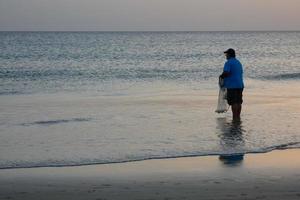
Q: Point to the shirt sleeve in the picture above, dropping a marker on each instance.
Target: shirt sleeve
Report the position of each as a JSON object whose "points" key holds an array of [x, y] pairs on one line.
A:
{"points": [[226, 67]]}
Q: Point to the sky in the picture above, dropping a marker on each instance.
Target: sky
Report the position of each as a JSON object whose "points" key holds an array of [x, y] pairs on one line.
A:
{"points": [[149, 15]]}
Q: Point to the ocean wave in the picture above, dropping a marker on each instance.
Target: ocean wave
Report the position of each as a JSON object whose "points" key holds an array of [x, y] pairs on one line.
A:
{"points": [[284, 146], [292, 145], [286, 76], [11, 92], [68, 76], [54, 122]]}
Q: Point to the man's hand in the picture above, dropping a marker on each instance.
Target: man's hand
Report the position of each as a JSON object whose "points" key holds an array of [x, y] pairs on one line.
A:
{"points": [[224, 75]]}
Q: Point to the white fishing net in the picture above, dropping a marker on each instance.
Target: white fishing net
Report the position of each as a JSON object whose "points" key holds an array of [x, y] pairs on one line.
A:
{"points": [[222, 102]]}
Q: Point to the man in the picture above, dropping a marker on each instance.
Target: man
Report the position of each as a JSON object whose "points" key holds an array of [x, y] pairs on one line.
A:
{"points": [[233, 81]]}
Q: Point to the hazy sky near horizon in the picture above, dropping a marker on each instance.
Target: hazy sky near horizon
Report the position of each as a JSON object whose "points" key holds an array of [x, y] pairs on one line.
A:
{"points": [[149, 15]]}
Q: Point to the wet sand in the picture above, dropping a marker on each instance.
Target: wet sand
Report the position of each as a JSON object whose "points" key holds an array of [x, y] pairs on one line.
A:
{"points": [[273, 175]]}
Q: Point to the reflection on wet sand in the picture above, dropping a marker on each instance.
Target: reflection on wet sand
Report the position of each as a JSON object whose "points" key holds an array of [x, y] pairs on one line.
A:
{"points": [[232, 160], [231, 137]]}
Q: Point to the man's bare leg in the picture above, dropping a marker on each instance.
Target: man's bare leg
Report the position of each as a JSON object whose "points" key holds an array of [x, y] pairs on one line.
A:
{"points": [[236, 111]]}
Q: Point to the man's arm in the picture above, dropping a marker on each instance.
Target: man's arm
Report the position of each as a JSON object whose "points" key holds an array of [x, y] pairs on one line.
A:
{"points": [[226, 70]]}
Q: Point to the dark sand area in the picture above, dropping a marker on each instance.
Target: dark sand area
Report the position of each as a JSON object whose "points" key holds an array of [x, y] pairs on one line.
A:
{"points": [[273, 175]]}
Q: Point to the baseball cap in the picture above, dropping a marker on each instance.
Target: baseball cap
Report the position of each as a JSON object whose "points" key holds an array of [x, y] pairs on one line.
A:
{"points": [[230, 51]]}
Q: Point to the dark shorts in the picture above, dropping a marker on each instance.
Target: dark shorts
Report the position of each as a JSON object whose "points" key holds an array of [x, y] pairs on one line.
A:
{"points": [[235, 96]]}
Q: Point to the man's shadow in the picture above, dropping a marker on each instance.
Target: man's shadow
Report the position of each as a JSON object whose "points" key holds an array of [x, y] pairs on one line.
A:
{"points": [[231, 137]]}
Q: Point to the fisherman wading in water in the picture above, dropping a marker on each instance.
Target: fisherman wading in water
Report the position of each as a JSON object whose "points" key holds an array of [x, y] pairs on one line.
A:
{"points": [[233, 82]]}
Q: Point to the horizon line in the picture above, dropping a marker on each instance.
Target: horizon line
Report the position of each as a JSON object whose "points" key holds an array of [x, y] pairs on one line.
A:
{"points": [[128, 31]]}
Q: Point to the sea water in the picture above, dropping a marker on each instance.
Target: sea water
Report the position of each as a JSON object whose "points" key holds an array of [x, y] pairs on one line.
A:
{"points": [[76, 98]]}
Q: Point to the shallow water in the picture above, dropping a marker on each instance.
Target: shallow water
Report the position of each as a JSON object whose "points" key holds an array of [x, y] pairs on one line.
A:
{"points": [[84, 98], [71, 129]]}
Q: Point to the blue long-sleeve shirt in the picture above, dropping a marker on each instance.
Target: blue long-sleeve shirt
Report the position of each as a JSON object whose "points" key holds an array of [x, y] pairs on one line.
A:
{"points": [[235, 70]]}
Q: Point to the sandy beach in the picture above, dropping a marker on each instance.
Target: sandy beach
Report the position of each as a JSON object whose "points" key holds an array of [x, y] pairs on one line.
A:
{"points": [[273, 175]]}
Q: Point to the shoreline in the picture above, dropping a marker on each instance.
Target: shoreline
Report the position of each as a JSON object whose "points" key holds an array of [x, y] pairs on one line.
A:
{"points": [[272, 175], [282, 147]]}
